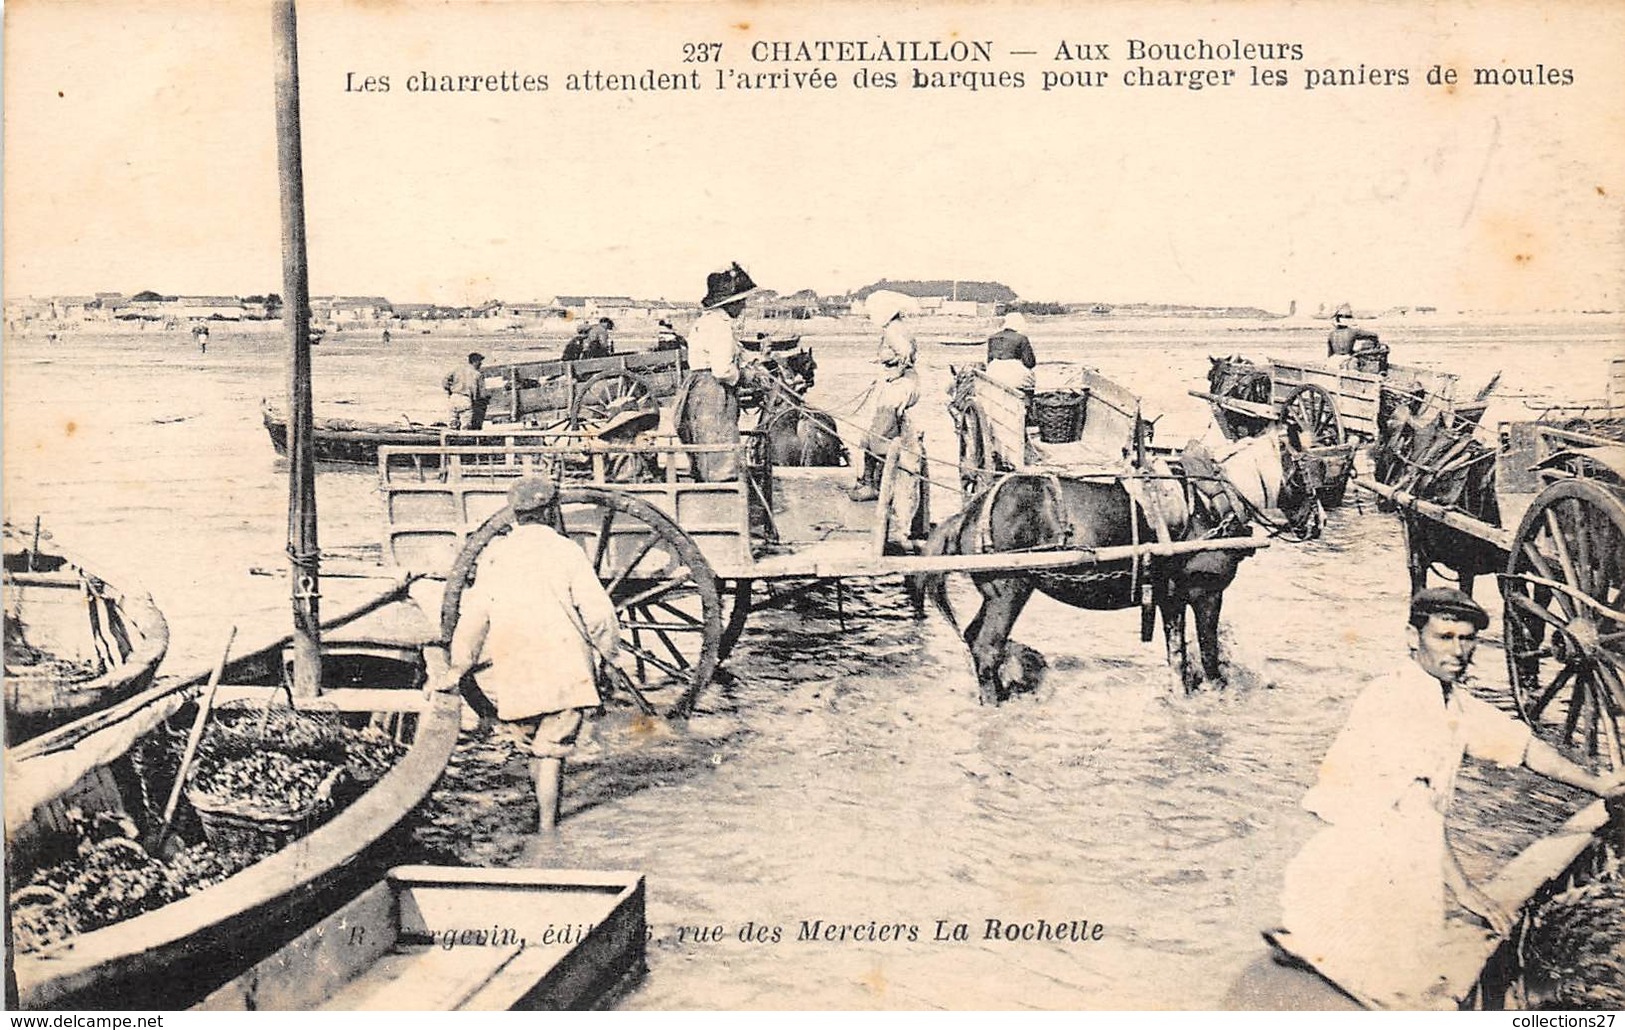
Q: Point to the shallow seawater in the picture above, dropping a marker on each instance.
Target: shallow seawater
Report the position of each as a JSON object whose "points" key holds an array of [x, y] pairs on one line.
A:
{"points": [[847, 793]]}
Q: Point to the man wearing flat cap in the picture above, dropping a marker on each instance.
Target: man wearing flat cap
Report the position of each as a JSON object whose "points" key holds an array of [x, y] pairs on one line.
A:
{"points": [[1364, 901], [706, 410], [536, 622], [466, 393]]}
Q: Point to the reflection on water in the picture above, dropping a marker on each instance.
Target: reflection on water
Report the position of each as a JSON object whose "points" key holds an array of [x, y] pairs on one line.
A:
{"points": [[848, 777]]}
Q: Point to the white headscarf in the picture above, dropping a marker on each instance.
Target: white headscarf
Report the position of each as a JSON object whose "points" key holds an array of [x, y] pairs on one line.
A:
{"points": [[885, 305], [1015, 320]]}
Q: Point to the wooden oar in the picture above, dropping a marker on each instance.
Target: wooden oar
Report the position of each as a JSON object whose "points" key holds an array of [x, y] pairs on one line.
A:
{"points": [[192, 741]]}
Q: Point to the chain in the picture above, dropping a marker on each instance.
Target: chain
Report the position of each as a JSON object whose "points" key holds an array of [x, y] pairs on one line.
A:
{"points": [[1086, 577]]}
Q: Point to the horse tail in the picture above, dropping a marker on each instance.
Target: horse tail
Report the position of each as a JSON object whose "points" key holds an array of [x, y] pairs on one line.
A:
{"points": [[943, 540]]}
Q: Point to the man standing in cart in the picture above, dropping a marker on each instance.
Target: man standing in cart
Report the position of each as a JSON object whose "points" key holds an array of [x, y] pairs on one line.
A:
{"points": [[706, 410], [536, 621], [897, 389], [466, 393], [1364, 901]]}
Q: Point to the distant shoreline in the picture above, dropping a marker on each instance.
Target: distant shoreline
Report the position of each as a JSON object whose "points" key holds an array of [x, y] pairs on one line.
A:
{"points": [[925, 326]]}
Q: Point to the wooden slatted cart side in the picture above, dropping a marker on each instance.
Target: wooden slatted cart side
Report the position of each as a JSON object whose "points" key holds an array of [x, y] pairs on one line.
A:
{"points": [[1357, 394], [552, 392], [434, 498]]}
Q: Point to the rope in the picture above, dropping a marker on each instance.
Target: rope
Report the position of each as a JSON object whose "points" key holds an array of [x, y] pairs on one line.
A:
{"points": [[305, 564]]}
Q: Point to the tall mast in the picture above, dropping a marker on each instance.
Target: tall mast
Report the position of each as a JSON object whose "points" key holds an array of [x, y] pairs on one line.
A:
{"points": [[303, 549]]}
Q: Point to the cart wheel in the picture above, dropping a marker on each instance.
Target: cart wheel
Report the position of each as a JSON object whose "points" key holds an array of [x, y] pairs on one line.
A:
{"points": [[1235, 425], [735, 610], [1565, 632], [606, 395], [976, 469], [1311, 419], [665, 593]]}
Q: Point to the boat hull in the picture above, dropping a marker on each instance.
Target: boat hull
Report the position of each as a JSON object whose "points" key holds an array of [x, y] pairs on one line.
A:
{"points": [[173, 956], [72, 611], [350, 443], [430, 938]]}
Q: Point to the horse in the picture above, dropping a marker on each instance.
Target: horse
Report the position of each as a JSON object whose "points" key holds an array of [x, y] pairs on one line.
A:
{"points": [[796, 435], [1238, 378], [1436, 457], [1036, 512]]}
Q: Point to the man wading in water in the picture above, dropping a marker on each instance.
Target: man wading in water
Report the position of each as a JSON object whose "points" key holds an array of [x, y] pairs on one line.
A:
{"points": [[538, 617], [1364, 901]]}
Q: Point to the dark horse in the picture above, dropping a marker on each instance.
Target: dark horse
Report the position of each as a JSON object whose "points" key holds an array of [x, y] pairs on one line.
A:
{"points": [[797, 435], [1205, 499], [1435, 456]]}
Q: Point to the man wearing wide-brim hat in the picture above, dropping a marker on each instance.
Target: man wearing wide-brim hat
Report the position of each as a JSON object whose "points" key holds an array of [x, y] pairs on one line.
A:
{"points": [[706, 410], [536, 622], [1364, 901]]}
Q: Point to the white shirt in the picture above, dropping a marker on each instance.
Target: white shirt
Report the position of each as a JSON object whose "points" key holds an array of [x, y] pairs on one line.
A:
{"points": [[1365, 900], [533, 597], [712, 347]]}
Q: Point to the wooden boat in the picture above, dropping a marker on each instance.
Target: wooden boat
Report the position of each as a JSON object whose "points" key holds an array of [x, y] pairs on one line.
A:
{"points": [[981, 342], [350, 441], [440, 939], [172, 956], [73, 641]]}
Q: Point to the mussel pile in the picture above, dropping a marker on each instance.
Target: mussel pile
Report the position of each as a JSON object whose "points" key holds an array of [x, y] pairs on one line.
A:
{"points": [[110, 878], [262, 763], [1573, 951]]}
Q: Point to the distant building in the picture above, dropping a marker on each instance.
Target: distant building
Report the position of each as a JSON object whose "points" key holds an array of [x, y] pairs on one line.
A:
{"points": [[72, 308], [341, 310], [206, 307], [573, 306]]}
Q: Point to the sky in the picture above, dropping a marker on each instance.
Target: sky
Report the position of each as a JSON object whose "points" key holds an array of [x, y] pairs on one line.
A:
{"points": [[140, 154]]}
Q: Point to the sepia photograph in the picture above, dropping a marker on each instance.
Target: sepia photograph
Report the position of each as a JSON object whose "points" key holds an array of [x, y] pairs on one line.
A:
{"points": [[664, 505]]}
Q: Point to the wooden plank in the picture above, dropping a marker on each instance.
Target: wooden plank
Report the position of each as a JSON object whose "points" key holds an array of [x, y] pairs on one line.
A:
{"points": [[861, 566], [1256, 409], [1438, 513]]}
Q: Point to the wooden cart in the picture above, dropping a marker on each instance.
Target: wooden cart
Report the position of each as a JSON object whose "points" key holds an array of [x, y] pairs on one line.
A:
{"points": [[680, 558], [1326, 408], [584, 393], [1560, 524]]}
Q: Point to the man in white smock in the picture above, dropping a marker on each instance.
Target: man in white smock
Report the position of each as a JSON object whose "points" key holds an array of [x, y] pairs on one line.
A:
{"points": [[1364, 901], [536, 622], [896, 390], [706, 410]]}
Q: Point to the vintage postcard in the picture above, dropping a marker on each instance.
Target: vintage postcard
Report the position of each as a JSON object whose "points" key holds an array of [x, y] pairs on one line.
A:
{"points": [[814, 505]]}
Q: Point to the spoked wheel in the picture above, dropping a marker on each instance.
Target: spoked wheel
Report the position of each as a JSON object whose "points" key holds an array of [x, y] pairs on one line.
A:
{"points": [[1311, 419], [606, 395], [976, 468], [735, 610], [1235, 425], [1565, 630], [1309, 415], [666, 596]]}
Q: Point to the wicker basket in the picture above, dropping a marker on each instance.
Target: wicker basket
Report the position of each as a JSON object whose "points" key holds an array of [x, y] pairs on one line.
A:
{"points": [[1059, 415], [232, 826]]}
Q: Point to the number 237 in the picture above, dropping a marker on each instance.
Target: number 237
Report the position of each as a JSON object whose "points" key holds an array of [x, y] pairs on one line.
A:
{"points": [[702, 53]]}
